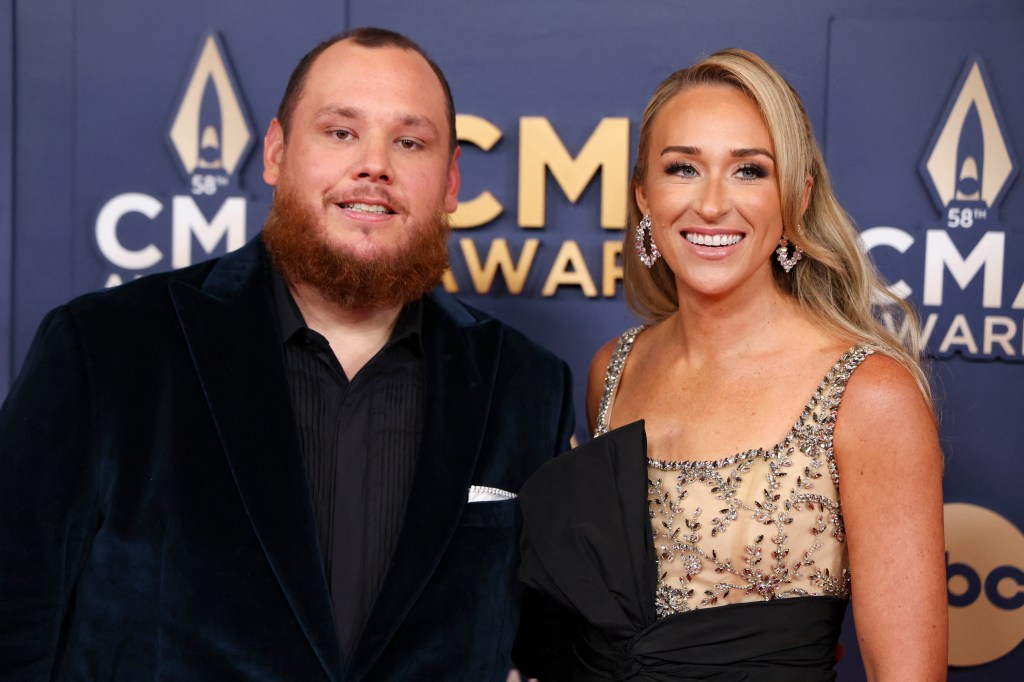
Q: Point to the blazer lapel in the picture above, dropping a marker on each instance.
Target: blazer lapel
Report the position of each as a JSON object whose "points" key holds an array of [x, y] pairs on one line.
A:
{"points": [[457, 400], [232, 332]]}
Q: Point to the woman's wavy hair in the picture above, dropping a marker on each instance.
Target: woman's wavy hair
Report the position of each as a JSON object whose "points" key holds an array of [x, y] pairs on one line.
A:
{"points": [[836, 282]]}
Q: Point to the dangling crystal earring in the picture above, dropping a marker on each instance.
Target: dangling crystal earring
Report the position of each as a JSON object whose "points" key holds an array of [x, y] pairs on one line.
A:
{"points": [[644, 226], [782, 253]]}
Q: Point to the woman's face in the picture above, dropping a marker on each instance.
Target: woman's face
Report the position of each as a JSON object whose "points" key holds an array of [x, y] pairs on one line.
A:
{"points": [[712, 191]]}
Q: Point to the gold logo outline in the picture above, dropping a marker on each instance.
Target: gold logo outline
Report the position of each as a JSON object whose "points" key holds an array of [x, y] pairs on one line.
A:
{"points": [[234, 138], [999, 169]]}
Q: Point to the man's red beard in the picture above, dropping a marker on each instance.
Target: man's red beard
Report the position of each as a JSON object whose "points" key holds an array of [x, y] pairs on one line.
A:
{"points": [[303, 253]]}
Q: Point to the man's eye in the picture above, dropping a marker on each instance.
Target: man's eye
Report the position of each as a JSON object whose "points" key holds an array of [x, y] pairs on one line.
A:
{"points": [[341, 134], [406, 143]]}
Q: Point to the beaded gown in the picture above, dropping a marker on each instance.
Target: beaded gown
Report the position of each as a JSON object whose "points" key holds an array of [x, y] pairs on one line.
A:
{"points": [[725, 570]]}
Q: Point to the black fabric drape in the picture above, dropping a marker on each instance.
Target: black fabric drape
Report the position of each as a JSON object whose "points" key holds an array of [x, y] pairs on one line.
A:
{"points": [[587, 555]]}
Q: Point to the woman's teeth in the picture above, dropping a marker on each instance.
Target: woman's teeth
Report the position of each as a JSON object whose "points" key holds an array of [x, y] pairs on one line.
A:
{"points": [[712, 240]]}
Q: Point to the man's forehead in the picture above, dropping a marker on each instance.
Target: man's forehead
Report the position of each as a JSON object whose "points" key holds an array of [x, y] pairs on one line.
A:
{"points": [[348, 64], [347, 56]]}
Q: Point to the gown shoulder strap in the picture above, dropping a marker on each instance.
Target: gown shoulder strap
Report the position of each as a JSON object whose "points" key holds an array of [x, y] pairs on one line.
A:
{"points": [[611, 377]]}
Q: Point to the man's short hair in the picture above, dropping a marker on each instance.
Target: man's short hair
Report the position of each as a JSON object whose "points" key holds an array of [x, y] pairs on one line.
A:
{"points": [[366, 37]]}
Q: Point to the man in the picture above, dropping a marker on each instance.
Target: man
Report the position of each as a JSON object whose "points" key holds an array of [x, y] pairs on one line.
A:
{"points": [[295, 462]]}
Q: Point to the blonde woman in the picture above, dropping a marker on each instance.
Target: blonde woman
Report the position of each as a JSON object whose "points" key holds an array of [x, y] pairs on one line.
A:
{"points": [[770, 451]]}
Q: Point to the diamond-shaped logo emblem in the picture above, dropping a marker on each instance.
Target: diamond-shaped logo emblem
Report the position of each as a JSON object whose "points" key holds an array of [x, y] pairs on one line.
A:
{"points": [[211, 133], [969, 159]]}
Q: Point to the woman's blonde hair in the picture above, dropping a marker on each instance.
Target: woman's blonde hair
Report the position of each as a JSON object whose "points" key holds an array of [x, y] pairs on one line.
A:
{"points": [[835, 282]]}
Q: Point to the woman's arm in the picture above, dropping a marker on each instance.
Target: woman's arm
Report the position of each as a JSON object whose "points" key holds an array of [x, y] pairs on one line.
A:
{"points": [[890, 480]]}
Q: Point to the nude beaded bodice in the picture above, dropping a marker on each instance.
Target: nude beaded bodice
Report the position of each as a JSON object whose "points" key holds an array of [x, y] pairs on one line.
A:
{"points": [[759, 525]]}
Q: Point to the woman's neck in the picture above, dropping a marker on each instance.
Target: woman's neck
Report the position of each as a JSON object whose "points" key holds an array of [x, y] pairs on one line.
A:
{"points": [[744, 324]]}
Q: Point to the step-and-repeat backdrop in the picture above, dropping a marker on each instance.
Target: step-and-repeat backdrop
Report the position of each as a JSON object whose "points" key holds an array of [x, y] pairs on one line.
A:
{"points": [[130, 137]]}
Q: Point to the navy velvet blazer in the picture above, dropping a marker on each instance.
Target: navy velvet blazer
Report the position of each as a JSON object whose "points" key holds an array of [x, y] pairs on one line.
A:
{"points": [[155, 520]]}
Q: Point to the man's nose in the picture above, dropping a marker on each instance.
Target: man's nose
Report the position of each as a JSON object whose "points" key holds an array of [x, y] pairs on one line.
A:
{"points": [[374, 164]]}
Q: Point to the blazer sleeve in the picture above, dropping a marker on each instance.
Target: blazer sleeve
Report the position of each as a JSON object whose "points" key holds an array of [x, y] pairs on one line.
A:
{"points": [[48, 508], [543, 643], [567, 418]]}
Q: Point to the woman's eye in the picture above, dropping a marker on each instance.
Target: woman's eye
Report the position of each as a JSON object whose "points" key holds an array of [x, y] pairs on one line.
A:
{"points": [[684, 170], [751, 172], [341, 134]]}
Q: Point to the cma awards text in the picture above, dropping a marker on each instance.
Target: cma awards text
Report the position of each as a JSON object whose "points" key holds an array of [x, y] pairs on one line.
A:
{"points": [[971, 266]]}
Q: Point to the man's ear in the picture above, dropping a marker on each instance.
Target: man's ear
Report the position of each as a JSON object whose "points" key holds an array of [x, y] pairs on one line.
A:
{"points": [[273, 152], [451, 195]]}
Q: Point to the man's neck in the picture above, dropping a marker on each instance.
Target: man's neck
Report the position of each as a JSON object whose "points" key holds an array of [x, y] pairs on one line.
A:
{"points": [[355, 334]]}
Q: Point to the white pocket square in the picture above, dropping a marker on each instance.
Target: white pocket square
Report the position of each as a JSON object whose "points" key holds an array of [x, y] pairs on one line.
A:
{"points": [[483, 493]]}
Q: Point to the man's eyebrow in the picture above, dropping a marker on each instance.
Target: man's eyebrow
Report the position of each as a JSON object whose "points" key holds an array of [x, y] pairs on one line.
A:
{"points": [[406, 120], [342, 112], [414, 121]]}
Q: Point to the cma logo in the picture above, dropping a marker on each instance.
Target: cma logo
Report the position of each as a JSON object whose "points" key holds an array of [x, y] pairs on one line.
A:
{"points": [[968, 169], [985, 584], [969, 164], [210, 136]]}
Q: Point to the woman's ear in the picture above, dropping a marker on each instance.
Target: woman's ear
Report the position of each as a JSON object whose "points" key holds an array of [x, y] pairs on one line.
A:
{"points": [[808, 185], [641, 199]]}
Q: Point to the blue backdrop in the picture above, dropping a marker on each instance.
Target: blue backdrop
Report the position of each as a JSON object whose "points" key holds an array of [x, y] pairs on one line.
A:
{"points": [[916, 102]]}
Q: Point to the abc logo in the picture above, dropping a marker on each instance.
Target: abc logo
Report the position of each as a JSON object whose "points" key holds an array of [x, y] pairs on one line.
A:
{"points": [[984, 556]]}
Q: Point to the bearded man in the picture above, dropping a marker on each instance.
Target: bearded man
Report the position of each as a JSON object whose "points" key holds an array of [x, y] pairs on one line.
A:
{"points": [[295, 462]]}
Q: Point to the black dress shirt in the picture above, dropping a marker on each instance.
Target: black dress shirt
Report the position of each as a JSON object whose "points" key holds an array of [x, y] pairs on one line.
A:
{"points": [[359, 439]]}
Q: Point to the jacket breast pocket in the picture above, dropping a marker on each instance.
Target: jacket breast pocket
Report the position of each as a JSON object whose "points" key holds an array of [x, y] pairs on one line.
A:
{"points": [[494, 514]]}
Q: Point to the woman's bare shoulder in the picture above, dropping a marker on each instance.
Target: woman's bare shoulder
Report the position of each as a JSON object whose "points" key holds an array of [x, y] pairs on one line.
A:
{"points": [[884, 411], [603, 356], [879, 384]]}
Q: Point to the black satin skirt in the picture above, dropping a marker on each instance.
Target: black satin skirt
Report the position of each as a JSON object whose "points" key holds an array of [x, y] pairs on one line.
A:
{"points": [[786, 640]]}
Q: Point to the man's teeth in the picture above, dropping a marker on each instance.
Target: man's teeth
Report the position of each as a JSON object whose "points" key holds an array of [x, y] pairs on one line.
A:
{"points": [[366, 208], [713, 240]]}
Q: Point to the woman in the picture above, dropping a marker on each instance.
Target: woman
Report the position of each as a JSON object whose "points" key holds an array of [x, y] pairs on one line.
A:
{"points": [[771, 450]]}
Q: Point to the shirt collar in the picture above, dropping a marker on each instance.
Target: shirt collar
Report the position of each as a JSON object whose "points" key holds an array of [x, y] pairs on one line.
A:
{"points": [[408, 327]]}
